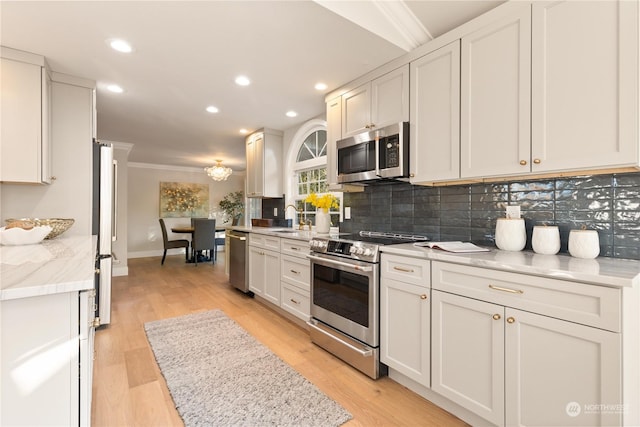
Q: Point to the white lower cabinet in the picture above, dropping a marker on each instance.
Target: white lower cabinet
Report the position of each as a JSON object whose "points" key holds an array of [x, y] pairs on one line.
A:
{"points": [[280, 273], [467, 354], [514, 367], [264, 267], [46, 360], [405, 316], [560, 373], [296, 278]]}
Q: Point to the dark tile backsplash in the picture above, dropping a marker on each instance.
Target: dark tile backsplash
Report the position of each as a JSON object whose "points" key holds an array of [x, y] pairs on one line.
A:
{"points": [[607, 203]]}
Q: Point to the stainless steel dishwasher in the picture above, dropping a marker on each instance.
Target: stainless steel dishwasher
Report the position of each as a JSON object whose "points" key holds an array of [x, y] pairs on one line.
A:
{"points": [[238, 257]]}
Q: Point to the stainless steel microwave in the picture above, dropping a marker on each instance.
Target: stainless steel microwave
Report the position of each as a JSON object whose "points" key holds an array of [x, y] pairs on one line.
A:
{"points": [[377, 154]]}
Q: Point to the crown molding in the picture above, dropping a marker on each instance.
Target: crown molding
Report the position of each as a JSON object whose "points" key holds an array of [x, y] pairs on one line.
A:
{"points": [[390, 20]]}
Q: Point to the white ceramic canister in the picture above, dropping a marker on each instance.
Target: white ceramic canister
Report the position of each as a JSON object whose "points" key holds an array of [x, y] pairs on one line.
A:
{"points": [[510, 234], [546, 239], [584, 244]]}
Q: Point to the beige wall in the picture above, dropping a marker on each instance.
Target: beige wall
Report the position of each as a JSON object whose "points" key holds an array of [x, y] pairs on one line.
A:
{"points": [[144, 237]]}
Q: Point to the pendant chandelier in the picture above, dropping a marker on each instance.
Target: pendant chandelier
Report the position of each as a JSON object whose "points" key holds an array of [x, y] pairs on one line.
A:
{"points": [[218, 172]]}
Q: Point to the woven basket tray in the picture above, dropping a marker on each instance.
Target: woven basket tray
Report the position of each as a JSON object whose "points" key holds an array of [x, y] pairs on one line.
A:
{"points": [[58, 225]]}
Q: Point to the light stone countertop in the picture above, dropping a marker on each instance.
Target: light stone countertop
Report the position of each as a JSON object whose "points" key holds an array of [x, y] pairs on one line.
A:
{"points": [[603, 271], [60, 265], [288, 233]]}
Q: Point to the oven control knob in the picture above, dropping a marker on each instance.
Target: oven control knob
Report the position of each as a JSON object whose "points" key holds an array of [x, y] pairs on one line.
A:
{"points": [[368, 252], [352, 250]]}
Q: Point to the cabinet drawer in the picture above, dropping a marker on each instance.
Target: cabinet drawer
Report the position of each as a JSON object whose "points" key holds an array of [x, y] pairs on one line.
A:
{"points": [[298, 248], [296, 271], [406, 269], [296, 301], [591, 305], [264, 241]]}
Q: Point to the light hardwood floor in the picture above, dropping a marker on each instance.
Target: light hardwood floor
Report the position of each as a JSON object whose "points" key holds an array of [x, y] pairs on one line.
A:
{"points": [[129, 389]]}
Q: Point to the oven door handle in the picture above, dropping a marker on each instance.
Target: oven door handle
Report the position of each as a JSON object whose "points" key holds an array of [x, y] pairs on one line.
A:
{"points": [[363, 352], [340, 263]]}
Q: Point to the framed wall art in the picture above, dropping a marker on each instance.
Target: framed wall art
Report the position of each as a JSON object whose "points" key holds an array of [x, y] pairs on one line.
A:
{"points": [[180, 199]]}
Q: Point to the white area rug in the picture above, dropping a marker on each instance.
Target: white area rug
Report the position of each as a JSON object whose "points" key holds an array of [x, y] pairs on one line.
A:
{"points": [[219, 375]]}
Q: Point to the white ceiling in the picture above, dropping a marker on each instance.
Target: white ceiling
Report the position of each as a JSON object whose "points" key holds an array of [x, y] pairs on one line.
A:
{"points": [[187, 54]]}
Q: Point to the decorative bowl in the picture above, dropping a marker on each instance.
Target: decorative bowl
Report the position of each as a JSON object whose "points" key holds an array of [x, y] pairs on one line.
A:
{"points": [[18, 236], [58, 225]]}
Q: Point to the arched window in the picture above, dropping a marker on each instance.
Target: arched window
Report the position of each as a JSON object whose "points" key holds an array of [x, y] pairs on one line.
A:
{"points": [[308, 167]]}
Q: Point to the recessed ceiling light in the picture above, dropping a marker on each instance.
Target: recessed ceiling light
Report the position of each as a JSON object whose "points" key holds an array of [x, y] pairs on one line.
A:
{"points": [[120, 45], [243, 81], [212, 109], [115, 89], [291, 114], [321, 86], [244, 131]]}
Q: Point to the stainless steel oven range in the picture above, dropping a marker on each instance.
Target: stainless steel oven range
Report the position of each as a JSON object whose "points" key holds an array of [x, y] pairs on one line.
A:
{"points": [[345, 296]]}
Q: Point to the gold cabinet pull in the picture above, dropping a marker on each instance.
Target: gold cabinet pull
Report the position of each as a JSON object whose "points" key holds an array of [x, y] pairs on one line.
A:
{"points": [[404, 270], [536, 161], [523, 162], [293, 248], [510, 320], [496, 316], [423, 296], [294, 301], [513, 291], [294, 272]]}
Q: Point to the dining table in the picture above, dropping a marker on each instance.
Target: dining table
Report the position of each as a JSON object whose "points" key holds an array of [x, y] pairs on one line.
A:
{"points": [[187, 229]]}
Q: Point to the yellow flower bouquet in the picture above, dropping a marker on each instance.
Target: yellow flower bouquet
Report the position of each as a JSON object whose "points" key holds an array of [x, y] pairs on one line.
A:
{"points": [[325, 202]]}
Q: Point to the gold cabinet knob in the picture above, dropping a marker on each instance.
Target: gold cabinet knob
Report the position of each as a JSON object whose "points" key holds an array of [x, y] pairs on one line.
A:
{"points": [[523, 162], [412, 175], [510, 320], [536, 161], [496, 316], [423, 296]]}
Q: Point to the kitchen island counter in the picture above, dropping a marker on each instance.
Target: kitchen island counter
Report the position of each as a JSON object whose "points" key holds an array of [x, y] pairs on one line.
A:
{"points": [[63, 264], [603, 271]]}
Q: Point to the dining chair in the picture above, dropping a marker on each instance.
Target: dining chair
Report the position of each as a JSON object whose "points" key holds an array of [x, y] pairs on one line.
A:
{"points": [[204, 238], [219, 241], [172, 244]]}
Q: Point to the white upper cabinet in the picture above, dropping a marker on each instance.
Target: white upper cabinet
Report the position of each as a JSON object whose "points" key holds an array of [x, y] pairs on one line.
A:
{"points": [[496, 98], [264, 164], [334, 133], [25, 153], [435, 115], [376, 104], [584, 85]]}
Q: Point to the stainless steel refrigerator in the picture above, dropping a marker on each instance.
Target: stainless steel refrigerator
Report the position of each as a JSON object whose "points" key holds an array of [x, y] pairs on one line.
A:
{"points": [[103, 226]]}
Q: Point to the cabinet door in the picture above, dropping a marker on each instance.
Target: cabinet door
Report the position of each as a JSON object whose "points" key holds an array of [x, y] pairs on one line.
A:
{"points": [[405, 328], [271, 274], [257, 270], [334, 133], [46, 173], [584, 84], [496, 98], [390, 98], [255, 165], [467, 351], [558, 372], [356, 110], [21, 131], [435, 115]]}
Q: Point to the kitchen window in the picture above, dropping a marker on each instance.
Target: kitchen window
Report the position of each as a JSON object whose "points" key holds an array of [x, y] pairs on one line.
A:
{"points": [[309, 171]]}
